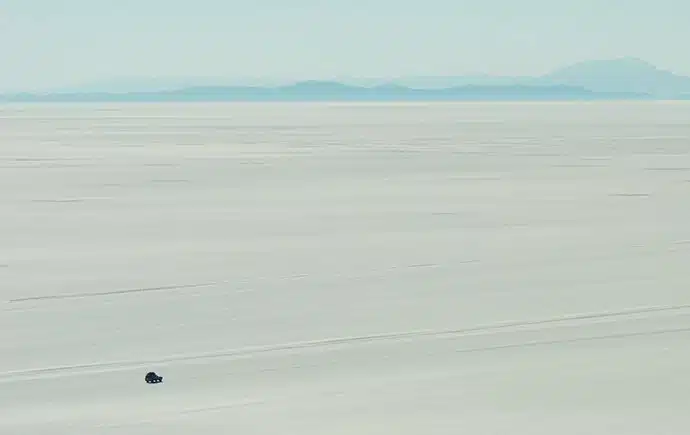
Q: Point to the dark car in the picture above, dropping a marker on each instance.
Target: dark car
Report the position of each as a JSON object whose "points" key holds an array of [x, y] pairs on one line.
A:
{"points": [[153, 378]]}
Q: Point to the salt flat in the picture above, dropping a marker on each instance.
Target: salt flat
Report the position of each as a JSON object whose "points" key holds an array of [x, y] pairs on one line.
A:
{"points": [[345, 269]]}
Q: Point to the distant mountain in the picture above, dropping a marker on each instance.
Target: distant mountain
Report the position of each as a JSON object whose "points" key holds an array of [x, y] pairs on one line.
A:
{"points": [[626, 74], [621, 75], [623, 78], [332, 91]]}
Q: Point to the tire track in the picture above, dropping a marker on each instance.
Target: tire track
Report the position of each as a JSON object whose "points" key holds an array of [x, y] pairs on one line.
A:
{"points": [[241, 282], [577, 340], [372, 338], [114, 292]]}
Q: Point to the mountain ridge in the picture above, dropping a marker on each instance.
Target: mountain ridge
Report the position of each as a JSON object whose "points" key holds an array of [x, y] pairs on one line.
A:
{"points": [[620, 78], [333, 91]]}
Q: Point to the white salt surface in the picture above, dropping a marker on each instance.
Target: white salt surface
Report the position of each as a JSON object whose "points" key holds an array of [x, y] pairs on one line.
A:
{"points": [[345, 269]]}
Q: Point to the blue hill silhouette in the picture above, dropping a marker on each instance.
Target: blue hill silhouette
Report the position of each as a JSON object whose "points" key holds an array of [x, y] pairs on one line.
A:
{"points": [[624, 78]]}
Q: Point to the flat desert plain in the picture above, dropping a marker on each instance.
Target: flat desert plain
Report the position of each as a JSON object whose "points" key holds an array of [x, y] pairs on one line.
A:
{"points": [[349, 269]]}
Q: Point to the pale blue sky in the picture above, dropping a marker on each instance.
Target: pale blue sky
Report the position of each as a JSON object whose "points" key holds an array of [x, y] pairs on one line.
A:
{"points": [[48, 43]]}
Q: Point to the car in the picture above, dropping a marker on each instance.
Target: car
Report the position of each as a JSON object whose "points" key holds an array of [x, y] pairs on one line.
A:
{"points": [[153, 378]]}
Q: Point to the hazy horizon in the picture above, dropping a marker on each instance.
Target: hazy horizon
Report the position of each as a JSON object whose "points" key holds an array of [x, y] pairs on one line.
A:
{"points": [[515, 266], [48, 44]]}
